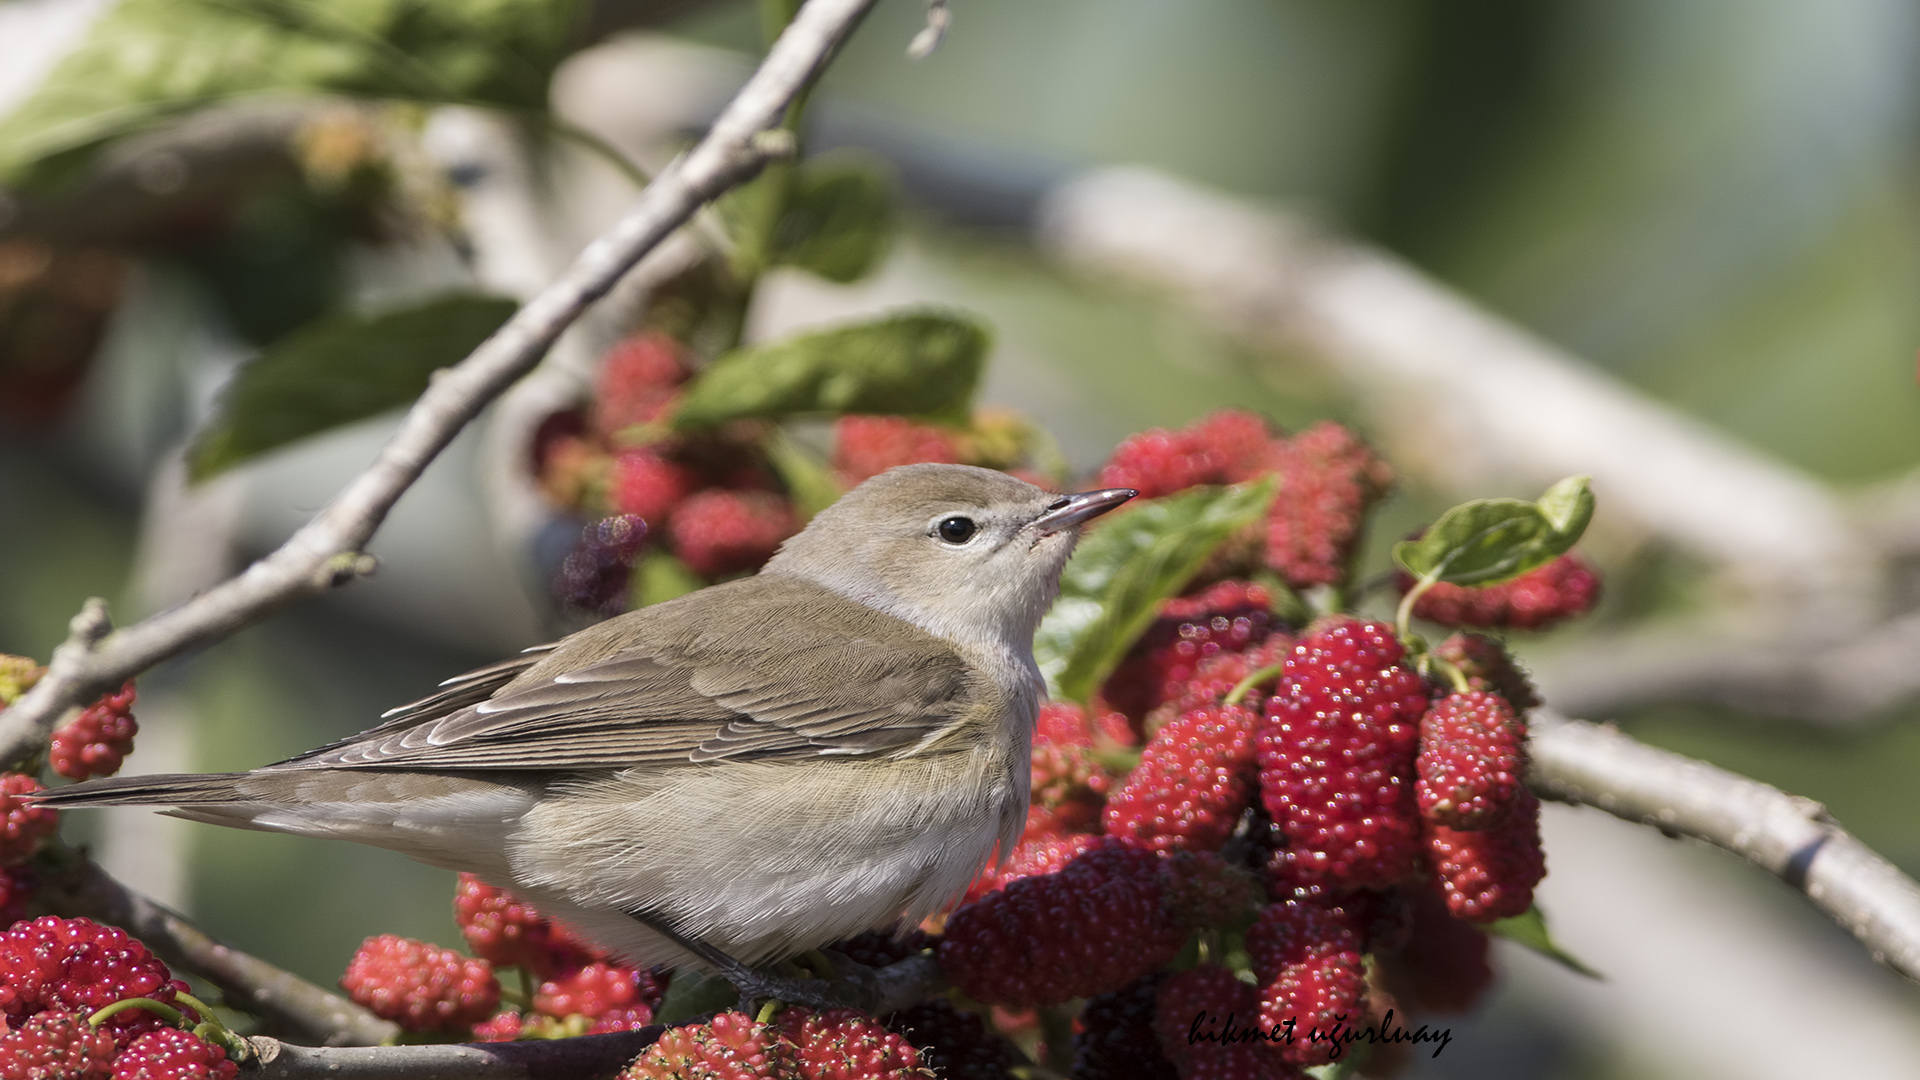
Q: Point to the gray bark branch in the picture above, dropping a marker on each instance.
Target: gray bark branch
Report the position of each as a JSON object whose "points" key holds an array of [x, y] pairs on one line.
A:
{"points": [[1786, 835], [325, 552], [286, 1002]]}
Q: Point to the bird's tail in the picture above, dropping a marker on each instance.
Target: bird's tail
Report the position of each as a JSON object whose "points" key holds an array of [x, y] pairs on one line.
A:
{"points": [[176, 789]]}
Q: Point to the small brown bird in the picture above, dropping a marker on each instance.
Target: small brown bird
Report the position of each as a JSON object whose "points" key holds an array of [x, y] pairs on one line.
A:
{"points": [[837, 744]]}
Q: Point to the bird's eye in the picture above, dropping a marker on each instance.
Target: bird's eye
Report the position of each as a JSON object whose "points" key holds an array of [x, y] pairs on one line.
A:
{"points": [[956, 530]]}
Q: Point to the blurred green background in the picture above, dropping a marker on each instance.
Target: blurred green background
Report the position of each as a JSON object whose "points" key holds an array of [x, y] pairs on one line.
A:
{"points": [[1712, 200]]}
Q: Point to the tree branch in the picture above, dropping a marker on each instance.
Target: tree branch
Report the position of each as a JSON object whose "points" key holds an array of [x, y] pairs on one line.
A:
{"points": [[1790, 837], [288, 1003], [324, 553], [588, 1056]]}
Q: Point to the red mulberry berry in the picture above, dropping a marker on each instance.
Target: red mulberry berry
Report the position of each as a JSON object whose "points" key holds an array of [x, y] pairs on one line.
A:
{"points": [[1067, 724], [1490, 874], [1096, 925], [1069, 785], [79, 965], [1156, 462], [598, 989], [1470, 760], [501, 1027], [1239, 445], [847, 1045], [22, 823], [1194, 780], [1308, 961], [1225, 618], [649, 485], [1445, 967], [505, 930], [956, 1045], [1037, 854], [1226, 447], [1115, 1037], [1216, 678], [1487, 666], [729, 1047], [56, 1046], [97, 740], [639, 379], [595, 576], [171, 1054], [1204, 891], [724, 532], [866, 446], [1536, 599], [1329, 479], [419, 986], [1207, 1022], [1336, 758]]}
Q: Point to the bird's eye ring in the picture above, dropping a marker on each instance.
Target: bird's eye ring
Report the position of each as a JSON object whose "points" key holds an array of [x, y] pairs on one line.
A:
{"points": [[956, 530]]}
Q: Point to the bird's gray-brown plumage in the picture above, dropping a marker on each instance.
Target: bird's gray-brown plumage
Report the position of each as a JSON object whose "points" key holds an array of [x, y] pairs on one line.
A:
{"points": [[835, 744]]}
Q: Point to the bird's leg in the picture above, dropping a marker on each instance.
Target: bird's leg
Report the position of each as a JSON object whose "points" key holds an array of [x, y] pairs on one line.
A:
{"points": [[755, 986]]}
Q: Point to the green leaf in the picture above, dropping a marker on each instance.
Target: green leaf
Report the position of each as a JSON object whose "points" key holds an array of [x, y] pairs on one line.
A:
{"points": [[1121, 573], [839, 217], [808, 480], [340, 369], [147, 59], [1530, 929], [1568, 507], [694, 993], [1488, 541], [925, 363]]}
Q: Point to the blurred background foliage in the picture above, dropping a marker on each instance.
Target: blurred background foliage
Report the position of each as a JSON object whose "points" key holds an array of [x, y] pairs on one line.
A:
{"points": [[1713, 200]]}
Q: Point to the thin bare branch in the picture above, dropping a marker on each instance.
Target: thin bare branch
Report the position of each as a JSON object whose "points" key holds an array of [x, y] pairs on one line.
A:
{"points": [[1788, 836], [892, 988], [289, 1004], [325, 552], [585, 1058]]}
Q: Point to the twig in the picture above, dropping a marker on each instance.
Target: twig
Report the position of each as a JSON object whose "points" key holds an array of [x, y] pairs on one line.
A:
{"points": [[1788, 836], [584, 1058], [324, 552], [288, 1003], [897, 986]]}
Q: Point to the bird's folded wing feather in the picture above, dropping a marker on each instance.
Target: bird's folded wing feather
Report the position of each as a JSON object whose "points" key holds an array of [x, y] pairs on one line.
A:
{"points": [[677, 692]]}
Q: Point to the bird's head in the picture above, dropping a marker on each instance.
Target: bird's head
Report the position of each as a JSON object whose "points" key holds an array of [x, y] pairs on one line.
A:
{"points": [[968, 554]]}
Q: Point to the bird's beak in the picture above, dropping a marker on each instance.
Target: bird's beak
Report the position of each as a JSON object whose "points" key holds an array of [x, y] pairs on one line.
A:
{"points": [[1070, 510]]}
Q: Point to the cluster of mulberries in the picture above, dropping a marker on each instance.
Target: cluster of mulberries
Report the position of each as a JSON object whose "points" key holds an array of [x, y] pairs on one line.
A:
{"points": [[1307, 794], [98, 740], [580, 988], [1535, 600], [1327, 480], [712, 500], [56, 974], [797, 1044], [419, 986], [866, 446]]}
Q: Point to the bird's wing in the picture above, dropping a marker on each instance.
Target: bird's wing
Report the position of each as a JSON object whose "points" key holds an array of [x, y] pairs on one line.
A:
{"points": [[681, 688]]}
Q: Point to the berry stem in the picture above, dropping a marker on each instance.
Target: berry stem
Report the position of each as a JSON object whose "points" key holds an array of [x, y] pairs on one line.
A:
{"points": [[205, 1010], [166, 1012], [1403, 619], [1244, 686]]}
